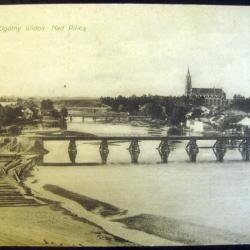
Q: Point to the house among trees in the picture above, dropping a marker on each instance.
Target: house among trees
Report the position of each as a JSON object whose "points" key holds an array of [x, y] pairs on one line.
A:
{"points": [[27, 113], [245, 122]]}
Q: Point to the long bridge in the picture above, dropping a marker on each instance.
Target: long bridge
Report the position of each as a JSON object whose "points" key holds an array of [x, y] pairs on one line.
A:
{"points": [[106, 116], [222, 143]]}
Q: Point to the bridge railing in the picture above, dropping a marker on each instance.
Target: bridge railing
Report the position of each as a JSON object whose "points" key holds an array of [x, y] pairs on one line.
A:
{"points": [[222, 143]]}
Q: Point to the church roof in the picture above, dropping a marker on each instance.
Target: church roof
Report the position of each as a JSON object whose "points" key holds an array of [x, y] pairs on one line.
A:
{"points": [[208, 91]]}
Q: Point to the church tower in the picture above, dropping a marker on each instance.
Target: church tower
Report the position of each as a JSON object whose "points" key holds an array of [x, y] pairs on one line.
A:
{"points": [[188, 84]]}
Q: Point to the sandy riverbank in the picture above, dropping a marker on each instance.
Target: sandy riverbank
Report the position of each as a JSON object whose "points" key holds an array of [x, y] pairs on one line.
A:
{"points": [[50, 226], [178, 203], [155, 229], [47, 224]]}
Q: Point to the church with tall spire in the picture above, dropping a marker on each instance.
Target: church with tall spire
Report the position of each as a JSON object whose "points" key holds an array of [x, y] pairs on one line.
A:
{"points": [[212, 96]]}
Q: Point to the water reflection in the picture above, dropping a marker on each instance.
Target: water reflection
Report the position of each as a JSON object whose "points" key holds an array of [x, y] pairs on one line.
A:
{"points": [[104, 128]]}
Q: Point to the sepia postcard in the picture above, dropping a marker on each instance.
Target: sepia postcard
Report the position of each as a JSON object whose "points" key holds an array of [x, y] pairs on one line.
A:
{"points": [[124, 125]]}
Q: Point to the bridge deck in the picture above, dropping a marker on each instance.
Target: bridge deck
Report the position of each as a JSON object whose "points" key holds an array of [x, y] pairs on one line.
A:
{"points": [[219, 148], [140, 138]]}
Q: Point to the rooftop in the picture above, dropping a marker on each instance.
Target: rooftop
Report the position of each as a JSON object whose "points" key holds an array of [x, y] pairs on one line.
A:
{"points": [[208, 91]]}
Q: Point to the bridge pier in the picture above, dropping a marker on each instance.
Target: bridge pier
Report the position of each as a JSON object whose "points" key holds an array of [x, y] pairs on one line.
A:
{"points": [[244, 149], [164, 151], [219, 149], [134, 150], [104, 151], [72, 150], [192, 150]]}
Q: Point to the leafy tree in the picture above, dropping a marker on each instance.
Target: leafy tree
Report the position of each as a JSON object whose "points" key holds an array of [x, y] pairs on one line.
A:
{"points": [[120, 108], [154, 105], [196, 113], [154, 110], [64, 112], [47, 104], [9, 115], [178, 115], [31, 105], [55, 113], [241, 103]]}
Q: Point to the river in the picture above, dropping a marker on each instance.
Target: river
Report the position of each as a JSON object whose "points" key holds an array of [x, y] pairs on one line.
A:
{"points": [[155, 204]]}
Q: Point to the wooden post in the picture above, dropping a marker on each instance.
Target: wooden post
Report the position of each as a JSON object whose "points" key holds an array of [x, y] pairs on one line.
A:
{"points": [[104, 151], [192, 150], [219, 149], [134, 150], [244, 148], [164, 150], [72, 150]]}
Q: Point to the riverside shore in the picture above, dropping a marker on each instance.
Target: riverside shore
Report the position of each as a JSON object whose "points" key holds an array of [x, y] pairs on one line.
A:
{"points": [[41, 222], [88, 206], [49, 225]]}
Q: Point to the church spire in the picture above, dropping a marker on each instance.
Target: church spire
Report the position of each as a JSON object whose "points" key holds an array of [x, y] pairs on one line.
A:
{"points": [[188, 83]]}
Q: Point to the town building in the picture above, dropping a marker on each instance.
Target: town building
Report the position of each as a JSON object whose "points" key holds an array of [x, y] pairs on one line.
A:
{"points": [[212, 96]]}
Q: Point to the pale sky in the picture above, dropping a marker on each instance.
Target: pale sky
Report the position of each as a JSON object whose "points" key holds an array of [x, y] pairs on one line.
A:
{"points": [[125, 49]]}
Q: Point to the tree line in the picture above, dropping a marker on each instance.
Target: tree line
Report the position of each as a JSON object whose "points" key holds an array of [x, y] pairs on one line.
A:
{"points": [[242, 103], [16, 113], [174, 108]]}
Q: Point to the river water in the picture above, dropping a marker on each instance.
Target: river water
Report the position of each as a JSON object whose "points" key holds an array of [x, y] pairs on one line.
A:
{"points": [[175, 203]]}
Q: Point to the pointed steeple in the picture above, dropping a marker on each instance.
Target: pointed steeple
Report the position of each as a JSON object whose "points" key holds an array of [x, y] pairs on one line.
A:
{"points": [[188, 83]]}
